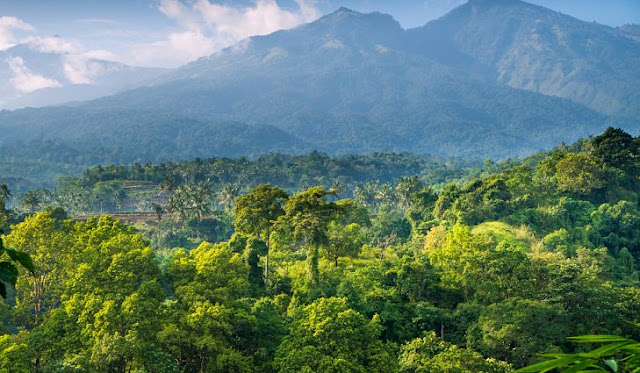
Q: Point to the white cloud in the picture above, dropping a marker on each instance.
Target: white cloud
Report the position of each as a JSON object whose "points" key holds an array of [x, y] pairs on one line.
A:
{"points": [[264, 17], [51, 44], [207, 27], [84, 68], [100, 54], [81, 70], [201, 28], [179, 12], [24, 80], [8, 28]]}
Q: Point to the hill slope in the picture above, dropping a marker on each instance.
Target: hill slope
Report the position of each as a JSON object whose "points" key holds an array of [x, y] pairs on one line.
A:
{"points": [[352, 82], [530, 47]]}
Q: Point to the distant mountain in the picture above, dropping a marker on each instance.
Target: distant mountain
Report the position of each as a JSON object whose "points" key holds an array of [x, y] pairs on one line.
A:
{"points": [[37, 77], [491, 79], [533, 48]]}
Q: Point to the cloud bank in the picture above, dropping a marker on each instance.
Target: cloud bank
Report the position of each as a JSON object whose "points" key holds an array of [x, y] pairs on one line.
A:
{"points": [[201, 27], [206, 27], [8, 28], [25, 81], [78, 65]]}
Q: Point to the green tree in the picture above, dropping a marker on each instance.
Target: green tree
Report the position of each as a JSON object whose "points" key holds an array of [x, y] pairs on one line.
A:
{"points": [[31, 201], [8, 270], [581, 174], [433, 355], [616, 148], [343, 241], [307, 216], [406, 187], [516, 330], [327, 336], [256, 214], [477, 266], [616, 226], [15, 355], [227, 196], [5, 195], [112, 302], [49, 243]]}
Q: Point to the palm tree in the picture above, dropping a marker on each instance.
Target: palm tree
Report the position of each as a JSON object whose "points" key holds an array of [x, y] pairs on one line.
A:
{"points": [[31, 201], [200, 194], [178, 203], [337, 188], [159, 210], [384, 193], [167, 185], [406, 187], [228, 195], [5, 194]]}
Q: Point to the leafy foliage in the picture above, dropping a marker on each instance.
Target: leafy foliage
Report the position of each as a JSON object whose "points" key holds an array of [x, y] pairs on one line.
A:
{"points": [[486, 274]]}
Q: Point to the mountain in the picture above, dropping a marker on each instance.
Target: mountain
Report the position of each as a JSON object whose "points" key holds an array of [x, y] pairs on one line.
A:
{"points": [[493, 78], [37, 76], [529, 47]]}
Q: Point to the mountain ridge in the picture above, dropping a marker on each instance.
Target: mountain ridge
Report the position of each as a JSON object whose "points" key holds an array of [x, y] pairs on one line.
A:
{"points": [[359, 83]]}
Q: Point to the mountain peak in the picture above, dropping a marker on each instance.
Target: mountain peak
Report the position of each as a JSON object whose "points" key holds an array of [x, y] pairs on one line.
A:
{"points": [[345, 15], [492, 3], [481, 6], [344, 9]]}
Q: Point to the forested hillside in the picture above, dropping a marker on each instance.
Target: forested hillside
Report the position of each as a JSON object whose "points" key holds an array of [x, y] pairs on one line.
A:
{"points": [[455, 269], [491, 79]]}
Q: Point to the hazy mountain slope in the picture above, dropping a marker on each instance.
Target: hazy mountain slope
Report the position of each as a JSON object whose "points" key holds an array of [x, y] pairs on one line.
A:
{"points": [[352, 82], [536, 49], [77, 136], [349, 83], [36, 77]]}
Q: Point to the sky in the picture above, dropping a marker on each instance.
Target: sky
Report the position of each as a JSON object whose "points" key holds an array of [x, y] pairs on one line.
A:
{"points": [[169, 33]]}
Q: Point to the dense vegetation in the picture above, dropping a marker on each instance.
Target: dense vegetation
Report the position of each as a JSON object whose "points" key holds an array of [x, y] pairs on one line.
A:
{"points": [[479, 275], [288, 171]]}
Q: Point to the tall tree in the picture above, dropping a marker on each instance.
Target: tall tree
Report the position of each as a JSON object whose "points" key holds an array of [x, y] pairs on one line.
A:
{"points": [[49, 242], [256, 213], [328, 336], [406, 187], [31, 201], [227, 196], [308, 214], [8, 270], [5, 194]]}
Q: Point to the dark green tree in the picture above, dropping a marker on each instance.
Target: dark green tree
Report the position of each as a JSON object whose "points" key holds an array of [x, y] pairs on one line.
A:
{"points": [[256, 214]]}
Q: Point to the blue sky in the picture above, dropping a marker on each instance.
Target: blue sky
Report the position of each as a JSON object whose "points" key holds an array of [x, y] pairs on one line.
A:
{"points": [[172, 32]]}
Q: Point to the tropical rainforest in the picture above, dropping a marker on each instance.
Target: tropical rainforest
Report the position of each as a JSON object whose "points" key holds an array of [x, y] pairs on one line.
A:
{"points": [[381, 263]]}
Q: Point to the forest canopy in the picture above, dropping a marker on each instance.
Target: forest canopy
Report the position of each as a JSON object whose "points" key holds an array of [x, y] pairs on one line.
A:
{"points": [[379, 264]]}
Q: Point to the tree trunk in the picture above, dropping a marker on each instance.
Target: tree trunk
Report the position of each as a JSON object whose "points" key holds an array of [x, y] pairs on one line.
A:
{"points": [[37, 289], [312, 265], [266, 262]]}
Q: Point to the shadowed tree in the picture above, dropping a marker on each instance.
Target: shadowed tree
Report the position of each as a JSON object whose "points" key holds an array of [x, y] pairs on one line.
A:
{"points": [[256, 213], [308, 214], [5, 194], [31, 201]]}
